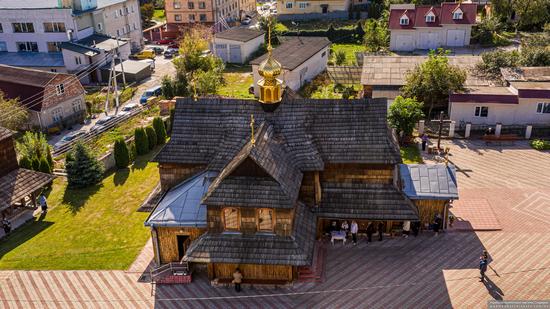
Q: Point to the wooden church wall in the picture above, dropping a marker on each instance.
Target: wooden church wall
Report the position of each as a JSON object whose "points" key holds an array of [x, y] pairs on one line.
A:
{"points": [[365, 173], [173, 174], [8, 158], [250, 271], [168, 244], [428, 208], [248, 220]]}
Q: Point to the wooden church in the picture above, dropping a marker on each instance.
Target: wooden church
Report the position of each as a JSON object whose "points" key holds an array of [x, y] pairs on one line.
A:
{"points": [[253, 183]]}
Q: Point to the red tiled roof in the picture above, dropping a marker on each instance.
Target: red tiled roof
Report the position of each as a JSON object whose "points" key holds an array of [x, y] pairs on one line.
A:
{"points": [[534, 93], [443, 15], [483, 98]]}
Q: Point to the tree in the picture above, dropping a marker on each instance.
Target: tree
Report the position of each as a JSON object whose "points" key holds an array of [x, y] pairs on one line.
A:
{"points": [[151, 136], [404, 113], [340, 57], [493, 61], [122, 154], [34, 145], [433, 80], [12, 114], [265, 23], [158, 125], [535, 56], [531, 15], [25, 162], [142, 143], [147, 11], [167, 87], [83, 169], [376, 36], [44, 166]]}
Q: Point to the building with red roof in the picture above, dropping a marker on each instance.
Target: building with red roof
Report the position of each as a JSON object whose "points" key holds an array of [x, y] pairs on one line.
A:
{"points": [[429, 27]]}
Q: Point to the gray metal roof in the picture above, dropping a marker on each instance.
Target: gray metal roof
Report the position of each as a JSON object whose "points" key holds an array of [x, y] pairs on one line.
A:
{"points": [[429, 181], [239, 34], [81, 49], [181, 206], [32, 59]]}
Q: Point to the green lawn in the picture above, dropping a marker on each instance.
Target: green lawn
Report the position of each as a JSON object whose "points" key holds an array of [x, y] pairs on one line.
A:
{"points": [[236, 85], [350, 50], [411, 154], [159, 15], [92, 228]]}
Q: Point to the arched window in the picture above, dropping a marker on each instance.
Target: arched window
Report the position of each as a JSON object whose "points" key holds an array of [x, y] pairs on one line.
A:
{"points": [[231, 219], [267, 94], [265, 220]]}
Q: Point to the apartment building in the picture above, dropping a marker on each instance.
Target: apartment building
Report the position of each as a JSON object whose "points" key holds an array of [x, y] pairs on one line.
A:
{"points": [[32, 32], [185, 12]]}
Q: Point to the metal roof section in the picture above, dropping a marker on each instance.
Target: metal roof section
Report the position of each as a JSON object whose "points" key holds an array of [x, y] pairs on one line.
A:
{"points": [[429, 181], [181, 206], [32, 59]]}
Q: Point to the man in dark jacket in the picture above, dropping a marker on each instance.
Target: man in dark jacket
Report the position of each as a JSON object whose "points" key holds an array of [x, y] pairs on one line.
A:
{"points": [[370, 231], [482, 268], [380, 230]]}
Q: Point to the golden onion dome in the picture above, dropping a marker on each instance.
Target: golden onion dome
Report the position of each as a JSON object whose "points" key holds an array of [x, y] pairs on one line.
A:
{"points": [[269, 68]]}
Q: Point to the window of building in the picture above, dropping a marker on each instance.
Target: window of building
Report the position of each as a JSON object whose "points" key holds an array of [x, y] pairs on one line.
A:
{"points": [[54, 27], [324, 54], [543, 108], [117, 32], [77, 60], [127, 28], [457, 14], [202, 5], [202, 17], [430, 18], [54, 47], [77, 105], [126, 10], [404, 21], [53, 70], [288, 5], [177, 5], [3, 46], [57, 114], [23, 27], [100, 27], [191, 17], [60, 89], [481, 111], [177, 17], [116, 14], [231, 219], [265, 220], [27, 46], [1, 29], [120, 12], [302, 5], [191, 5], [132, 9], [135, 27]]}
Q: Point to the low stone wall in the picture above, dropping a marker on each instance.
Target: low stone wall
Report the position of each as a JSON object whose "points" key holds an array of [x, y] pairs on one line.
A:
{"points": [[108, 160], [312, 16]]}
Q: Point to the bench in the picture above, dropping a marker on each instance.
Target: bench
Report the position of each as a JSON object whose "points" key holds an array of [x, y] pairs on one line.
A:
{"points": [[262, 283]]}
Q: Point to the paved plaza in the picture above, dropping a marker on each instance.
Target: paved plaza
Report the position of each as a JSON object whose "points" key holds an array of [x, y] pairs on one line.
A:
{"points": [[511, 183]]}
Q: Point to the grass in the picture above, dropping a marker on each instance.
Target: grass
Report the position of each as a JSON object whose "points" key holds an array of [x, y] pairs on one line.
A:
{"points": [[236, 85], [159, 15], [98, 98], [93, 228], [411, 155], [349, 50]]}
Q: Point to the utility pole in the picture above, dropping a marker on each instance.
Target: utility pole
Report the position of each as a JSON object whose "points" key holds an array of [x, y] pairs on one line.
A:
{"points": [[121, 65], [111, 70], [115, 81]]}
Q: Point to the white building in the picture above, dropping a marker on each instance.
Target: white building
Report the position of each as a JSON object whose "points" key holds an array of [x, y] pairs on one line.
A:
{"points": [[237, 45], [302, 58], [429, 27], [32, 31]]}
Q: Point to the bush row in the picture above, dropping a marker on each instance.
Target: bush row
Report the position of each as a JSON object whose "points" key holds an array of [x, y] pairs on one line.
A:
{"points": [[335, 35]]}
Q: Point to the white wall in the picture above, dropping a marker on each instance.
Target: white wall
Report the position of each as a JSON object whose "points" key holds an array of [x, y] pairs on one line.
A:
{"points": [[508, 114], [247, 48], [441, 33], [291, 79], [110, 19]]}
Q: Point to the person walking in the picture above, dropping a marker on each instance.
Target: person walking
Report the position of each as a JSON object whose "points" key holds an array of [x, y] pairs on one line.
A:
{"points": [[370, 231], [237, 279], [424, 141], [406, 228], [6, 225], [415, 228], [482, 266], [43, 203], [344, 227], [380, 230], [354, 230], [437, 224], [451, 220]]}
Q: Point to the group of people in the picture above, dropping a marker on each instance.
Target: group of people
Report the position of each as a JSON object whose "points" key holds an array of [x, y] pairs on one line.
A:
{"points": [[6, 224], [353, 229]]}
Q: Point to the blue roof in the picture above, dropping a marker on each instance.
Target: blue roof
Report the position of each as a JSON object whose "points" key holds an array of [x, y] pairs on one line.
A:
{"points": [[32, 59], [181, 206], [429, 181]]}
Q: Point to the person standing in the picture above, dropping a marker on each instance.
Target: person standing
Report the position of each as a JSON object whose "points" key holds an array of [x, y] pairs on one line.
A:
{"points": [[380, 230], [354, 229], [43, 203], [237, 279], [370, 231], [424, 141], [437, 224], [6, 225], [344, 227], [406, 228], [482, 266], [415, 228]]}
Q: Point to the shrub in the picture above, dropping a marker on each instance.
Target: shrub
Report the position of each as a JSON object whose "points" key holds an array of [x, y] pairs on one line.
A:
{"points": [[404, 113], [151, 136], [25, 162], [35, 164], [83, 169], [539, 144], [122, 154], [142, 143], [159, 127], [493, 61], [133, 151], [340, 57], [44, 166]]}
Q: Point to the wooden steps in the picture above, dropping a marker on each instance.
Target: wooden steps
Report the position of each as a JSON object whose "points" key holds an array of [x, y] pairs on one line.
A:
{"points": [[315, 272]]}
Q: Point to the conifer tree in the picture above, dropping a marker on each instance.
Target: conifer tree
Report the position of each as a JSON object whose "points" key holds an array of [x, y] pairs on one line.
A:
{"points": [[122, 154], [142, 143], [83, 169], [158, 125], [44, 166], [151, 136]]}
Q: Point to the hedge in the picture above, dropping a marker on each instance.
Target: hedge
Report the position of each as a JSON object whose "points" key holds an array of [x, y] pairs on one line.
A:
{"points": [[340, 35], [142, 143], [160, 129], [122, 154], [151, 137]]}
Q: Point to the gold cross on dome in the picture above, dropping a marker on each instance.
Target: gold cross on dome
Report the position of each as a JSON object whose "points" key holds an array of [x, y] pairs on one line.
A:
{"points": [[252, 139]]}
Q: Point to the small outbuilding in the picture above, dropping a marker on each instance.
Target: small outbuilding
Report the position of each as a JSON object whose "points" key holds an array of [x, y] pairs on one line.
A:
{"points": [[135, 71], [237, 45]]}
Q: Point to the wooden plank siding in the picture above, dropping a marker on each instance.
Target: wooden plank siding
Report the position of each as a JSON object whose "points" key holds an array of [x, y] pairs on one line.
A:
{"points": [[248, 220], [307, 190], [428, 208], [173, 174], [250, 271], [167, 241], [8, 158], [364, 173]]}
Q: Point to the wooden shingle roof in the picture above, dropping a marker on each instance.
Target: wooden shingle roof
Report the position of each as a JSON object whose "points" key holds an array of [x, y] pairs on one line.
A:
{"points": [[259, 248], [5, 133], [20, 183]]}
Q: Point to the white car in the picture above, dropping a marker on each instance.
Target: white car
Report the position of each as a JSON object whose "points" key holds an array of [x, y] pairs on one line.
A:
{"points": [[128, 108], [102, 123], [67, 139]]}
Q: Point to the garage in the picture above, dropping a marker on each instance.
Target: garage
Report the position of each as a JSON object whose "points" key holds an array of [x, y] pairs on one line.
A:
{"points": [[221, 51], [455, 37], [235, 54], [237, 45], [404, 42], [428, 40]]}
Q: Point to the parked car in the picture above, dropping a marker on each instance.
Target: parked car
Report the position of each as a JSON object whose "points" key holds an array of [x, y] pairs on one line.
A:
{"points": [[165, 41], [101, 123], [273, 11], [67, 139], [128, 108], [205, 53], [155, 91], [169, 53], [157, 50], [174, 45], [246, 21], [144, 54]]}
